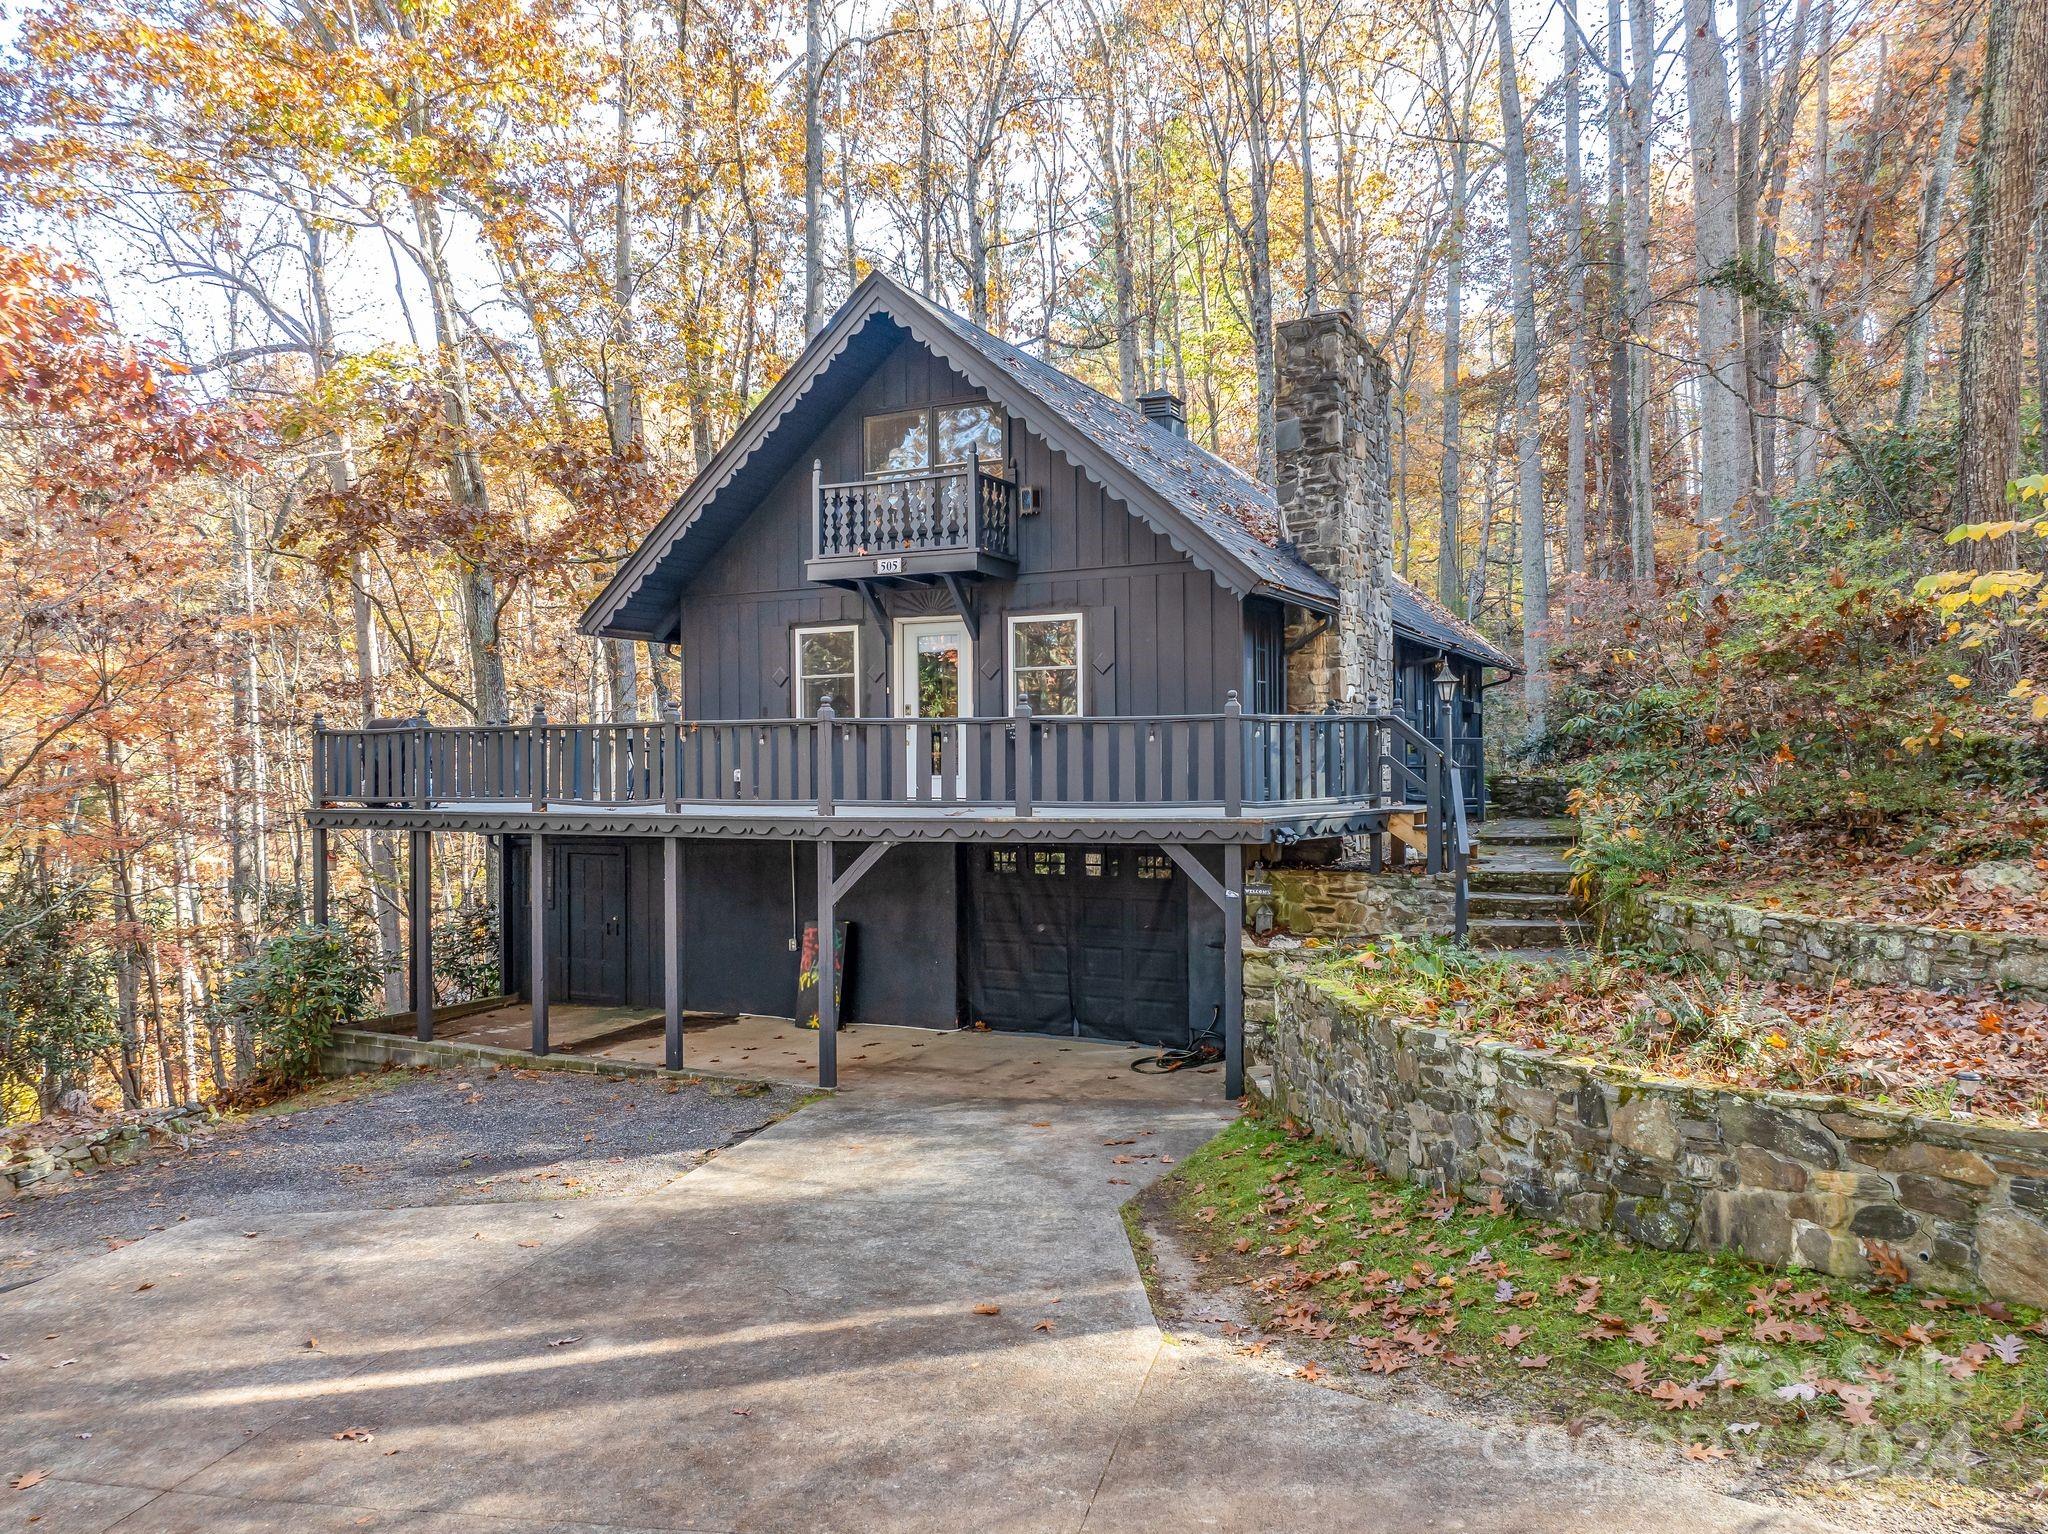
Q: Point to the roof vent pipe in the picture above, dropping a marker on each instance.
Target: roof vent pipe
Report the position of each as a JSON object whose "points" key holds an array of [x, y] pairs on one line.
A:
{"points": [[1165, 410]]}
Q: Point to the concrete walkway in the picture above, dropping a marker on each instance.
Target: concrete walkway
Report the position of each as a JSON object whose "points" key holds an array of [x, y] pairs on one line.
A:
{"points": [[786, 1339]]}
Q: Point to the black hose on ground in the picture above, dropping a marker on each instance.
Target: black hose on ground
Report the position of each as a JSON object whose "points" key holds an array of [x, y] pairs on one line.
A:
{"points": [[1207, 1049]]}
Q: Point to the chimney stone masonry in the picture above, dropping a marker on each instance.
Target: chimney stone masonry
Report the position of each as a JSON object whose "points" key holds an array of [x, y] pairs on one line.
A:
{"points": [[1335, 489]]}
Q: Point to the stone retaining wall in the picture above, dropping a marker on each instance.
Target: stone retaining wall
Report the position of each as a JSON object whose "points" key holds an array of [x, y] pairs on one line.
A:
{"points": [[107, 1145], [1534, 794], [1791, 945], [1788, 1180], [1344, 904]]}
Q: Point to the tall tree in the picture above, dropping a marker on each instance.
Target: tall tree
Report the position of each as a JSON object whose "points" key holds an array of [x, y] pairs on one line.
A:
{"points": [[1642, 28], [1927, 244], [1726, 454], [2002, 178], [1575, 315], [1528, 439]]}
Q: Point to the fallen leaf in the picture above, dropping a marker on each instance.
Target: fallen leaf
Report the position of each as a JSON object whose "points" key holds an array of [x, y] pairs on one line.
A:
{"points": [[353, 1435], [562, 1342], [1044, 1326], [27, 1479], [987, 1308], [1705, 1451], [1677, 1397]]}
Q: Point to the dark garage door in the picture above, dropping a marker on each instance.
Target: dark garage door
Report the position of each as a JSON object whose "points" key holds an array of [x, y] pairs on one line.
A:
{"points": [[1079, 940]]}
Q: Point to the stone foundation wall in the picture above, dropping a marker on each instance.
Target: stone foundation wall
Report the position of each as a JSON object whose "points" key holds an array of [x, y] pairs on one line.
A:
{"points": [[1347, 904], [1785, 1179], [1790, 945], [106, 1146]]}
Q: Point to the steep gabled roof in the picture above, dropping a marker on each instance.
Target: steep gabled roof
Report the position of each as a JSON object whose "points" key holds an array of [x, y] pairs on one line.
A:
{"points": [[1226, 523]]}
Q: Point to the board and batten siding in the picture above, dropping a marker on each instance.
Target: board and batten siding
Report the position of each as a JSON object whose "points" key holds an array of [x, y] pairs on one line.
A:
{"points": [[1161, 634]]}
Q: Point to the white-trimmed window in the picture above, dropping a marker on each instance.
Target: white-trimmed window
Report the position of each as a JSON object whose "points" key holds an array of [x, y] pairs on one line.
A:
{"points": [[827, 669], [935, 436], [1045, 662]]}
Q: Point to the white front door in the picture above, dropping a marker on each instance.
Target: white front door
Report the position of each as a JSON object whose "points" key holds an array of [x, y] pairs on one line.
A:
{"points": [[934, 680]]}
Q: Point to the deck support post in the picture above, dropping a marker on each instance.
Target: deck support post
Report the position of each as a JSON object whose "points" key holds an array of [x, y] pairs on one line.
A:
{"points": [[422, 872], [1227, 895], [537, 937], [828, 1002], [833, 887], [319, 876], [1233, 970], [672, 949]]}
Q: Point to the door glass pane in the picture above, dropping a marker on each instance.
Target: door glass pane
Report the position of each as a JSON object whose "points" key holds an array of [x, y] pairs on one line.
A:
{"points": [[825, 671], [938, 676], [1045, 657], [899, 443], [970, 431]]}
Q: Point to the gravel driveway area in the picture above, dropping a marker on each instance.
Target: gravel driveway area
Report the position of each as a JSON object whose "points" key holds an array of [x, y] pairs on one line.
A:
{"points": [[399, 1140]]}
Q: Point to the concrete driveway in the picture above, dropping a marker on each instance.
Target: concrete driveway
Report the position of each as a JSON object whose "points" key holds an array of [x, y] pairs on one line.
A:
{"points": [[786, 1338]]}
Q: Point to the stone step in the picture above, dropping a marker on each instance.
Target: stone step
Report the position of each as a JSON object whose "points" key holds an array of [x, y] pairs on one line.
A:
{"points": [[1527, 831], [1520, 880], [1511, 932], [1536, 905], [1534, 870]]}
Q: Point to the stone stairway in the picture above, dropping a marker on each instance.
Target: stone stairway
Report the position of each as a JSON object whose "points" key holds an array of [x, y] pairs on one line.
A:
{"points": [[1521, 888]]}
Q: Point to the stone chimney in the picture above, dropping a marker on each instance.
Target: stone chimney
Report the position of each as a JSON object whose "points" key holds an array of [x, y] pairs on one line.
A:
{"points": [[1165, 410], [1335, 489]]}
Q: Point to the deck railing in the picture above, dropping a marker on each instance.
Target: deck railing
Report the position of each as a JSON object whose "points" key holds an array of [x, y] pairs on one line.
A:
{"points": [[1226, 764], [961, 509]]}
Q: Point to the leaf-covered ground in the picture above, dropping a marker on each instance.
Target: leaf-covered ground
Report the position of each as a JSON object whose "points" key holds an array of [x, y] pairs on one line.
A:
{"points": [[1883, 887], [1707, 1357], [1982, 1056]]}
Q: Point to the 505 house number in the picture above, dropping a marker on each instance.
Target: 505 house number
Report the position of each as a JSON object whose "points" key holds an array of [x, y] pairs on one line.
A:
{"points": [[889, 566]]}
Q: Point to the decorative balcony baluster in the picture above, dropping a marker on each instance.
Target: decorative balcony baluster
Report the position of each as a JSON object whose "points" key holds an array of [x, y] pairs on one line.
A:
{"points": [[963, 510]]}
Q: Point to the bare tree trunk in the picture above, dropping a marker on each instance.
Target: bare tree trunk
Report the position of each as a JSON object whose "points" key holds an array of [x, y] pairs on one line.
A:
{"points": [[1726, 453], [619, 406], [1927, 245], [2001, 213], [1621, 353], [1308, 167], [1528, 441], [657, 680], [1808, 456], [1450, 582], [1642, 16], [2041, 329], [1575, 312], [1260, 255], [1749, 176], [466, 487], [814, 167], [1774, 169]]}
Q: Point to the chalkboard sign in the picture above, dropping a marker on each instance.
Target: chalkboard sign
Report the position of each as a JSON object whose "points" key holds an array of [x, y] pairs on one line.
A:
{"points": [[807, 973]]}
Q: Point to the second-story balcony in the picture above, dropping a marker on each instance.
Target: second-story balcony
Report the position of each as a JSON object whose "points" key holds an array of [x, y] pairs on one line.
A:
{"points": [[958, 520]]}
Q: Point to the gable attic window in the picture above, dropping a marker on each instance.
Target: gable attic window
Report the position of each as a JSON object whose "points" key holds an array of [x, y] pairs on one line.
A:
{"points": [[827, 670], [912, 441]]}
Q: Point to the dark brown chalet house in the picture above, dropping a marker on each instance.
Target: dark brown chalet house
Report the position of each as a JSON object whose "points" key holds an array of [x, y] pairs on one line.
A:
{"points": [[1005, 676]]}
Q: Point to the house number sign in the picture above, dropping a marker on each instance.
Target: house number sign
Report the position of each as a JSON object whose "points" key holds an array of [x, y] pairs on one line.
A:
{"points": [[889, 566]]}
